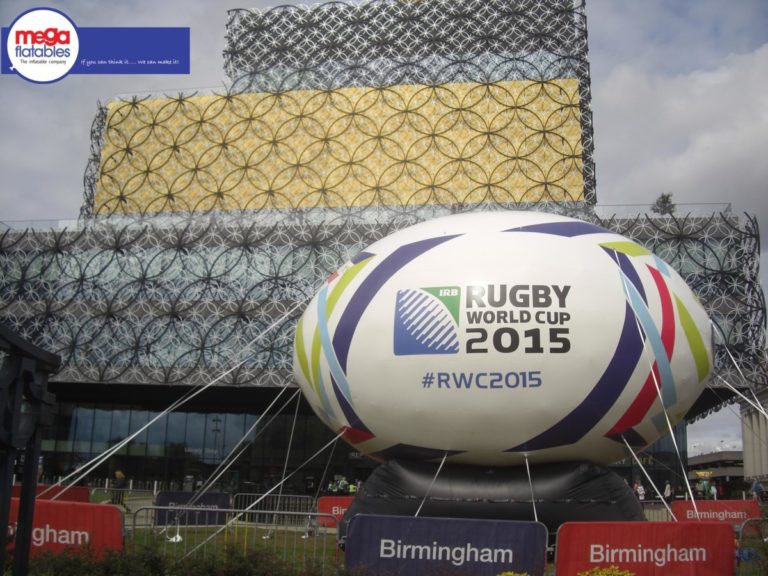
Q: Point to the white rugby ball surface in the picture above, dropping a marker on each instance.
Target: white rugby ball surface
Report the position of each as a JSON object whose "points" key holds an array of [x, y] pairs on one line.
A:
{"points": [[490, 337]]}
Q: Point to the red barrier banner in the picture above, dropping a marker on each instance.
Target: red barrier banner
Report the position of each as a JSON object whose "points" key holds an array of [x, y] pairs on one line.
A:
{"points": [[647, 548], [60, 525], [335, 505], [71, 494], [732, 512]]}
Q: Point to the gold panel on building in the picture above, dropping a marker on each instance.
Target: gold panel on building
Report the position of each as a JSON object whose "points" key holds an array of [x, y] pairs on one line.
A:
{"points": [[461, 143]]}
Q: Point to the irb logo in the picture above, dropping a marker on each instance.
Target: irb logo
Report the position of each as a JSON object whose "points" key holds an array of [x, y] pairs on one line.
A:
{"points": [[427, 321], [49, 36]]}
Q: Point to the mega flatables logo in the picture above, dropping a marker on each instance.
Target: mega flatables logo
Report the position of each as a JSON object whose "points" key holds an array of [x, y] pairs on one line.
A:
{"points": [[42, 45]]}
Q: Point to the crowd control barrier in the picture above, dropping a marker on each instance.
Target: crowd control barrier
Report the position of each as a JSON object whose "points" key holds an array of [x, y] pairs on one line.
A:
{"points": [[302, 540], [752, 553], [259, 505]]}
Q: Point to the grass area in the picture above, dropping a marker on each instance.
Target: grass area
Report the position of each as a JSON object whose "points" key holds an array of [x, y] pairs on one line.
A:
{"points": [[150, 561], [132, 499], [290, 545]]}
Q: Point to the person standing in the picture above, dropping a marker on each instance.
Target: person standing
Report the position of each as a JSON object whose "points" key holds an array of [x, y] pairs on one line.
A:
{"points": [[667, 491], [757, 490], [118, 488]]}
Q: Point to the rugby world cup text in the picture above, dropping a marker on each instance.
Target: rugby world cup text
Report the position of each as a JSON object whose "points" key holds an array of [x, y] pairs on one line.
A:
{"points": [[542, 306]]}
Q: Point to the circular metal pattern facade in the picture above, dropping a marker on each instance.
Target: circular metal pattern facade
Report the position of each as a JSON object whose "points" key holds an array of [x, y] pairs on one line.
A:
{"points": [[174, 299], [355, 106]]}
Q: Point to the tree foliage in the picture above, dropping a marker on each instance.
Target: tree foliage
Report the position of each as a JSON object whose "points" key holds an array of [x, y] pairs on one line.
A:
{"points": [[664, 205]]}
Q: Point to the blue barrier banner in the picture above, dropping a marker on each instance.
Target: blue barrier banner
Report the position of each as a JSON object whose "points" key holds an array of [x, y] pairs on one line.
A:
{"points": [[211, 501], [123, 51], [409, 546]]}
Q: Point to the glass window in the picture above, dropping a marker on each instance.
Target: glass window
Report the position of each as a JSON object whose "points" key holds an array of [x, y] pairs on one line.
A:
{"points": [[64, 420], [138, 446], [253, 454], [195, 433], [82, 429], [275, 439], [120, 423], [177, 428], [102, 424], [176, 437], [180, 442], [233, 431], [214, 437], [156, 435]]}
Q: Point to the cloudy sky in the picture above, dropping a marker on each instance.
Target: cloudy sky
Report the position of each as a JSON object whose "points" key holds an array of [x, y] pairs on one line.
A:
{"points": [[680, 103]]}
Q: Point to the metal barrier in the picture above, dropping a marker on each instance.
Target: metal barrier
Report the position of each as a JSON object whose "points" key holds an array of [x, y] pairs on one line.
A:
{"points": [[296, 538], [259, 505], [129, 499], [655, 511], [752, 553]]}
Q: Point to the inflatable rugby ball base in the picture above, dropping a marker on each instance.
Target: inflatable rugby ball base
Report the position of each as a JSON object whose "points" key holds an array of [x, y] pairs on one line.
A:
{"points": [[564, 492], [494, 337]]}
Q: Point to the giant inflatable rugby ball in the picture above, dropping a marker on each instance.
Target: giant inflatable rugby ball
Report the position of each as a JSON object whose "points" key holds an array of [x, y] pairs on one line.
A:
{"points": [[492, 337]]}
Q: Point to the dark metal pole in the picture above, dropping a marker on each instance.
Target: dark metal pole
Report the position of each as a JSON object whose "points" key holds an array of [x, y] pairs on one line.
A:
{"points": [[6, 486], [10, 405], [27, 504], [24, 410]]}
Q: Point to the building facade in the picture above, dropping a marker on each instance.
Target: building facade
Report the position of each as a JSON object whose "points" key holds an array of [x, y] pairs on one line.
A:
{"points": [[209, 220], [754, 433], [724, 469]]}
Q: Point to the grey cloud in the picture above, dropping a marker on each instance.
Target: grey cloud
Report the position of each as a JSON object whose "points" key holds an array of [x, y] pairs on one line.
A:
{"points": [[720, 431], [701, 136], [672, 36]]}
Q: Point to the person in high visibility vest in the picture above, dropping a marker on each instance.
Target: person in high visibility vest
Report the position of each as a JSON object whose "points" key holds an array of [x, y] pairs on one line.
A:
{"points": [[353, 488]]}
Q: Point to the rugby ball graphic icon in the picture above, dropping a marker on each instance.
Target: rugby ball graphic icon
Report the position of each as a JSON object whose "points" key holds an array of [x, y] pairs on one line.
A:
{"points": [[492, 337]]}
